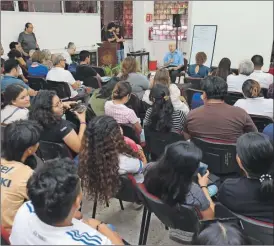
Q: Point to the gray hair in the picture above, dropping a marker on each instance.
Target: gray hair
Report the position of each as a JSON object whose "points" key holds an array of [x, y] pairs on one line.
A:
{"points": [[246, 67], [57, 60], [71, 45], [47, 54]]}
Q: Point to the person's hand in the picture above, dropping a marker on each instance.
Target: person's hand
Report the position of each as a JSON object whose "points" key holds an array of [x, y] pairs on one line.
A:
{"points": [[203, 180], [25, 80], [78, 215], [68, 104], [171, 60], [81, 116], [92, 222], [78, 83]]}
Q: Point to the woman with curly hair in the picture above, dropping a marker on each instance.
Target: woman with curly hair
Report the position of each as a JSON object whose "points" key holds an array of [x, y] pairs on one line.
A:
{"points": [[138, 82], [48, 109], [104, 156], [162, 117], [199, 70]]}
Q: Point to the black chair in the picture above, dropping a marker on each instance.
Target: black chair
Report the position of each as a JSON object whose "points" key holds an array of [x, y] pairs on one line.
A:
{"points": [[134, 103], [182, 217], [183, 70], [189, 95], [62, 89], [156, 142], [92, 82], [195, 82], [127, 192], [232, 97], [264, 92], [100, 71], [130, 132], [261, 121], [49, 150], [37, 83], [2, 132], [219, 156]]}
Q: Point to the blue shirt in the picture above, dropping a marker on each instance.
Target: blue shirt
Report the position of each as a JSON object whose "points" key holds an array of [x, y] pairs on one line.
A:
{"points": [[9, 80], [177, 56], [38, 70], [203, 71], [269, 132]]}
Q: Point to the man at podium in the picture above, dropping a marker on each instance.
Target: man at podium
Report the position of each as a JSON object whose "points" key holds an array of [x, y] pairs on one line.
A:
{"points": [[174, 61]]}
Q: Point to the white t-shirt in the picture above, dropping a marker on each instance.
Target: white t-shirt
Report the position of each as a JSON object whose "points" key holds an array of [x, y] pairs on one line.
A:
{"points": [[20, 114], [174, 97], [257, 106], [131, 165], [28, 229], [265, 79], [67, 56], [235, 82], [61, 75]]}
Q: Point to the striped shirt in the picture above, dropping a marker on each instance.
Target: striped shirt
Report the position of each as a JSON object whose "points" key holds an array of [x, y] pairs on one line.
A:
{"points": [[178, 120]]}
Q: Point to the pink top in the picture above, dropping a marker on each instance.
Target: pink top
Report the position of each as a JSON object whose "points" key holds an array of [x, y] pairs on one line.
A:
{"points": [[121, 113], [132, 144]]}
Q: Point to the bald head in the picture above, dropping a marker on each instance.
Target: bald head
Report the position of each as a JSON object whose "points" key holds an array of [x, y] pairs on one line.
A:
{"points": [[172, 47]]}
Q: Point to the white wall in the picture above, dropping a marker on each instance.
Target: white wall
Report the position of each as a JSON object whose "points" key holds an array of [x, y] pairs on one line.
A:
{"points": [[245, 28], [53, 30]]}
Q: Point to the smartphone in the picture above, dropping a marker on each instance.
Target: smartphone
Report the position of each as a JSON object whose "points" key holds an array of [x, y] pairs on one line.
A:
{"points": [[202, 169], [79, 108]]}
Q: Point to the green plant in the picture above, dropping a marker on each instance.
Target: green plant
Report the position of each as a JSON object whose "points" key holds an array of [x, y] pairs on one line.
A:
{"points": [[112, 71]]}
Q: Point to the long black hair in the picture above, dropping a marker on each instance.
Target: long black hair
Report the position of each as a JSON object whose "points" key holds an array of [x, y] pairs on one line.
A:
{"points": [[223, 69], [171, 177], [11, 93], [41, 109], [256, 154], [162, 109]]}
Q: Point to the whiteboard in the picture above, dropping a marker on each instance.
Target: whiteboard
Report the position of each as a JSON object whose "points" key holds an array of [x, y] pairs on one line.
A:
{"points": [[203, 40]]}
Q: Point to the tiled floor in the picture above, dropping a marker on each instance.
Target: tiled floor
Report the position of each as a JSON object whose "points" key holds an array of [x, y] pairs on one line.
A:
{"points": [[128, 222]]}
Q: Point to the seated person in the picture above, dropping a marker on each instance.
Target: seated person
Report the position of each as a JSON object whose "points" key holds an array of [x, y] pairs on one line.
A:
{"points": [[104, 156], [101, 95], [17, 46], [162, 77], [264, 79], [170, 178], [37, 69], [268, 130], [47, 59], [221, 234], [235, 82], [55, 196], [84, 71], [252, 195], [48, 109], [16, 103], [253, 102], [11, 68], [20, 142], [174, 60], [29, 61], [270, 92], [70, 50], [223, 69], [130, 73], [116, 107], [16, 55], [162, 117], [199, 70], [59, 74], [216, 119]]}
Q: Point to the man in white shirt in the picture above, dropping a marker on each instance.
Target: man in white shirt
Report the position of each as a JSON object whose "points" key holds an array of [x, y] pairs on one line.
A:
{"points": [[71, 49], [48, 218], [265, 79], [235, 82], [59, 74]]}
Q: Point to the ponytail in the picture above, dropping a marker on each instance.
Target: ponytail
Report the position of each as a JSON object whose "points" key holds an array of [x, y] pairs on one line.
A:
{"points": [[267, 188], [122, 89]]}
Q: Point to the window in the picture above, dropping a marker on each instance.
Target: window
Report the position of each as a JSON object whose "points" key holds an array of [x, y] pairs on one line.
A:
{"points": [[7, 5], [40, 6], [80, 7], [162, 21]]}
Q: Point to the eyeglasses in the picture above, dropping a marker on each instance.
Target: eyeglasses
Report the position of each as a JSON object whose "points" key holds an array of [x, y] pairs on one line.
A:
{"points": [[59, 104]]}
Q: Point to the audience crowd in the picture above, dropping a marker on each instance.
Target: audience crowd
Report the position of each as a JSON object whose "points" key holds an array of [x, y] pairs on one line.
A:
{"points": [[102, 125]]}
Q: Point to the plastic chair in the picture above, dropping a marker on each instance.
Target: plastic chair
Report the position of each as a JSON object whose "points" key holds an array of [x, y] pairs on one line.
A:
{"points": [[232, 97], [62, 89], [219, 156], [37, 83], [261, 121], [50, 150], [135, 104], [195, 82], [100, 71], [264, 92], [156, 142], [182, 217], [92, 82]]}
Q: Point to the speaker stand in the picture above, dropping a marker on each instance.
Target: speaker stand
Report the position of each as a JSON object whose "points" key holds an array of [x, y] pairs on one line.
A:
{"points": [[177, 32]]}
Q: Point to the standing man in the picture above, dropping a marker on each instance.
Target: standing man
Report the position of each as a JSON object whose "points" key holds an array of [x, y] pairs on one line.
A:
{"points": [[27, 39], [110, 34], [174, 61]]}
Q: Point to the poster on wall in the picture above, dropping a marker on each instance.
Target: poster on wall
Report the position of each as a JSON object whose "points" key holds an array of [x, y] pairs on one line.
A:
{"points": [[203, 40]]}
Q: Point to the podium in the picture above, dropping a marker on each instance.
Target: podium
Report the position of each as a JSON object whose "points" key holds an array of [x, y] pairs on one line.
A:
{"points": [[107, 54]]}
